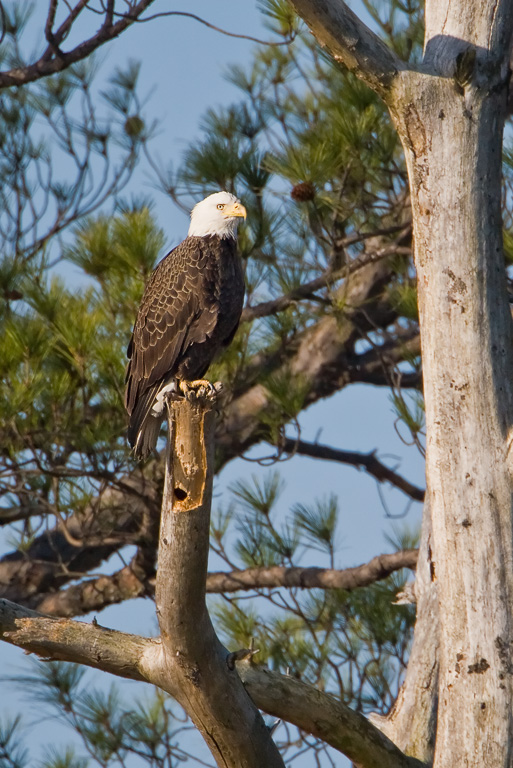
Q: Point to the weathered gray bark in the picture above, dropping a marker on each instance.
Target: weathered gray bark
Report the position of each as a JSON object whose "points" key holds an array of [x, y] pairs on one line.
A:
{"points": [[452, 137], [449, 114], [413, 719]]}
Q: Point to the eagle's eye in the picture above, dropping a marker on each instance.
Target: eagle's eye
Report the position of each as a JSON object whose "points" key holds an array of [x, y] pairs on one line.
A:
{"points": [[220, 206]]}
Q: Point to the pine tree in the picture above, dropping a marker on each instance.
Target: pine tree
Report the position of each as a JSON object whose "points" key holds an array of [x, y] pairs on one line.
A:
{"points": [[331, 301]]}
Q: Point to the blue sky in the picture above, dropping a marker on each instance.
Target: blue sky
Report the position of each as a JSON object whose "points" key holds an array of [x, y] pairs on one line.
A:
{"points": [[183, 64]]}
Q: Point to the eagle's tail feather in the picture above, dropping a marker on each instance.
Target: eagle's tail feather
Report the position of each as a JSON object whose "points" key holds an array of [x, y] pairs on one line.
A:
{"points": [[146, 440], [144, 426]]}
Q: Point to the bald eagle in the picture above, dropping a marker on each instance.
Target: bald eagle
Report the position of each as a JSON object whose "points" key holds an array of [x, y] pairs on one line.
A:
{"points": [[190, 309]]}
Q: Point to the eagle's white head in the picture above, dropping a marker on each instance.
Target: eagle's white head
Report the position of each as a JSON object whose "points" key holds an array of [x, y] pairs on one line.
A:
{"points": [[217, 214]]}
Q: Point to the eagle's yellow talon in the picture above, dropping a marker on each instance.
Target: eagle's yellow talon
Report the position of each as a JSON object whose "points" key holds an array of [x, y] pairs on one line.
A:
{"points": [[197, 388]]}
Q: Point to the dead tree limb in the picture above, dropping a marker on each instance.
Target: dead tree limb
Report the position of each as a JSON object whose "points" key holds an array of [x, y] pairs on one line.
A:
{"points": [[351, 42], [132, 581], [367, 461], [192, 656], [138, 658], [332, 721]]}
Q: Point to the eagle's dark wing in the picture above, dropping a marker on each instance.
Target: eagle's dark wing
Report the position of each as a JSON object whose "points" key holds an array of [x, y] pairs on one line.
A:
{"points": [[187, 302], [176, 310]]}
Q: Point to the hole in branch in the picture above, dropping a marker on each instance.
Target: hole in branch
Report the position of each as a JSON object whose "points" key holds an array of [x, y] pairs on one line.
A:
{"points": [[180, 494]]}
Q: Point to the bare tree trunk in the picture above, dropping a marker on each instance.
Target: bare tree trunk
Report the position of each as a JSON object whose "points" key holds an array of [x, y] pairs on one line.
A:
{"points": [[450, 113], [452, 134]]}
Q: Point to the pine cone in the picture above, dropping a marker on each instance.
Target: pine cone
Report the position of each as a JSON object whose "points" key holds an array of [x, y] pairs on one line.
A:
{"points": [[303, 192], [134, 126]]}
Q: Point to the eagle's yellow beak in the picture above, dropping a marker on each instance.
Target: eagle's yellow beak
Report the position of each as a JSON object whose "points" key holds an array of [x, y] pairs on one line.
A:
{"points": [[235, 209]]}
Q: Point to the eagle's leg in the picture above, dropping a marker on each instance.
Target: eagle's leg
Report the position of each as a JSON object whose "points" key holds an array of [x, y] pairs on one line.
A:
{"points": [[198, 388]]}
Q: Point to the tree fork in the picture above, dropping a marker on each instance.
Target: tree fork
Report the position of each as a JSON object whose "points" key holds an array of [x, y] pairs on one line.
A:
{"points": [[192, 655], [188, 660]]}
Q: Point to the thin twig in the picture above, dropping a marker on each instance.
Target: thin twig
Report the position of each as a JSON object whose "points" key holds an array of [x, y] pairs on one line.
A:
{"points": [[193, 16]]}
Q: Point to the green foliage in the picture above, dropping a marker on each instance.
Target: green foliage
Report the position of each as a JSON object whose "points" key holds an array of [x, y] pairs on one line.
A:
{"points": [[54, 759], [404, 299], [61, 389], [318, 524], [110, 731], [410, 412], [12, 753], [259, 542], [352, 644], [280, 17], [287, 395]]}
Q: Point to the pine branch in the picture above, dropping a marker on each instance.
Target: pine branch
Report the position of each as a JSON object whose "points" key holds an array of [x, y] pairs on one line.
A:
{"points": [[96, 594], [368, 461], [351, 42], [130, 582], [321, 356], [378, 365], [52, 561], [328, 277]]}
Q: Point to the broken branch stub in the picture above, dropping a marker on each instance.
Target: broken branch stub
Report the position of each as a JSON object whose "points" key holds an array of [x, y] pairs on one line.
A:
{"points": [[190, 456]]}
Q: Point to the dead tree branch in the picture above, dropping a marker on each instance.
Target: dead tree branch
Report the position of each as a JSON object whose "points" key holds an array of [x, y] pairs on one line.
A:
{"points": [[65, 640], [351, 42], [138, 658], [329, 276], [332, 721], [376, 569], [130, 582], [367, 461], [54, 59]]}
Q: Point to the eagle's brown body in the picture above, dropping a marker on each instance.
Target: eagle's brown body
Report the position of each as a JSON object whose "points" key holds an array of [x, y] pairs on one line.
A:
{"points": [[190, 309]]}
